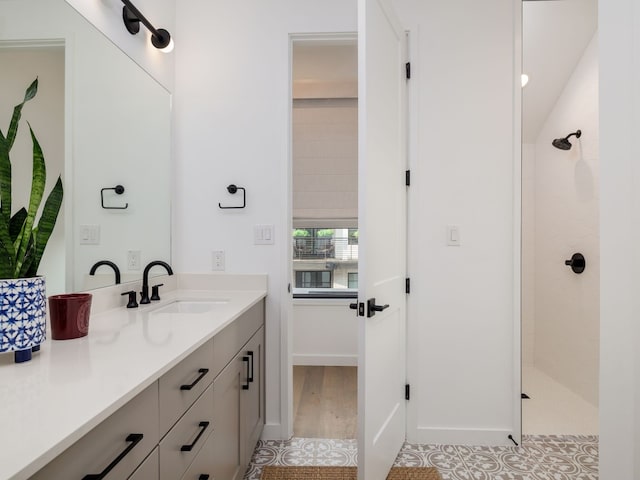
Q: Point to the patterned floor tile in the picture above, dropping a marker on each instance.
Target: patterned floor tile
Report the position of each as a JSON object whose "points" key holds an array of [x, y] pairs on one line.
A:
{"points": [[540, 457]]}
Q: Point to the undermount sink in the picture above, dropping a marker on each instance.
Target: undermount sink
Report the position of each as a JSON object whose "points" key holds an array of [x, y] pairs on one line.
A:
{"points": [[191, 306]]}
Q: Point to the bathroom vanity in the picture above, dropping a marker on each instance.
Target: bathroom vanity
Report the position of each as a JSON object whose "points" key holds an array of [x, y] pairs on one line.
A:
{"points": [[170, 390]]}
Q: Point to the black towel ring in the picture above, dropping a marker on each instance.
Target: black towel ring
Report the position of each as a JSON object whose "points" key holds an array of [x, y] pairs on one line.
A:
{"points": [[119, 189], [232, 189]]}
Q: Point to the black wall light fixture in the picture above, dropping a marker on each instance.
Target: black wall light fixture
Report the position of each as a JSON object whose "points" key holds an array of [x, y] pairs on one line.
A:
{"points": [[160, 38]]}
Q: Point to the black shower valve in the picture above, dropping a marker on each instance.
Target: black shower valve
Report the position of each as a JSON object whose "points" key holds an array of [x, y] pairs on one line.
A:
{"points": [[577, 263]]}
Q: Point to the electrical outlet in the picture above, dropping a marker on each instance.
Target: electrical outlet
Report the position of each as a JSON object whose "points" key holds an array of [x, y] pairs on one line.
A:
{"points": [[133, 260], [218, 261]]}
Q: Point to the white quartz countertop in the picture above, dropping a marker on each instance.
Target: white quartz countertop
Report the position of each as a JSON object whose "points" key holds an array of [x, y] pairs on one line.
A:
{"points": [[70, 386]]}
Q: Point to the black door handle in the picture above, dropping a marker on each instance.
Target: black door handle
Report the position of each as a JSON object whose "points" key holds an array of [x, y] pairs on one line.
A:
{"points": [[134, 438], [359, 307], [188, 448], [246, 385], [202, 372], [372, 308]]}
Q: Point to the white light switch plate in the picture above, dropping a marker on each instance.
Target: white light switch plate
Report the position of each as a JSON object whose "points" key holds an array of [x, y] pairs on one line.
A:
{"points": [[453, 235], [89, 234], [263, 235]]}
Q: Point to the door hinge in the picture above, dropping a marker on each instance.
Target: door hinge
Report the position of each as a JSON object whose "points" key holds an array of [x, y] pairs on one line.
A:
{"points": [[407, 285], [407, 392], [407, 70], [407, 177]]}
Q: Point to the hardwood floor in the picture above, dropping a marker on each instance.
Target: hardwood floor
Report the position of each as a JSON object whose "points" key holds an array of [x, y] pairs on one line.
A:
{"points": [[325, 402]]}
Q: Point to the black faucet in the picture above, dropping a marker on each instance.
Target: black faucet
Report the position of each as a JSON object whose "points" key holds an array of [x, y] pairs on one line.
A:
{"points": [[144, 294], [106, 262]]}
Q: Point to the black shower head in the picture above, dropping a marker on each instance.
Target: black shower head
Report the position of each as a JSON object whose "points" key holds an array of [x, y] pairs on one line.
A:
{"points": [[564, 143]]}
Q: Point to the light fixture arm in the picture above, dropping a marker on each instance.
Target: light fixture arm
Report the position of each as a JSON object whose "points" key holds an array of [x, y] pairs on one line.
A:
{"points": [[160, 38]]}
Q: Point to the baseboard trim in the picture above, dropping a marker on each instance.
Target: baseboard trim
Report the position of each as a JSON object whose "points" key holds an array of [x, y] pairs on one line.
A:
{"points": [[462, 436], [325, 360], [273, 431]]}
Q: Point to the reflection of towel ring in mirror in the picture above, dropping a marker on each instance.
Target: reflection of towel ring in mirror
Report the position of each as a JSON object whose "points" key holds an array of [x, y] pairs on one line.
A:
{"points": [[232, 189], [119, 189]]}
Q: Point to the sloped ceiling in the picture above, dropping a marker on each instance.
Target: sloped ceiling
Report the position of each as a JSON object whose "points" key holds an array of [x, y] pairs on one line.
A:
{"points": [[554, 36]]}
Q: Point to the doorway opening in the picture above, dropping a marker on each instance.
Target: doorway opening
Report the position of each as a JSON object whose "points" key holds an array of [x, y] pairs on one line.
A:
{"points": [[324, 255], [560, 304]]}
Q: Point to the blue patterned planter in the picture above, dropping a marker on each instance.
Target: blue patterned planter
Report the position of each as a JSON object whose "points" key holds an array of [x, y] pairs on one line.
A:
{"points": [[22, 316]]}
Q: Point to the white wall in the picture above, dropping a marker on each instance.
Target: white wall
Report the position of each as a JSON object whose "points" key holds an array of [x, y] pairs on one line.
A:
{"points": [[46, 115], [567, 221], [232, 126], [528, 252], [463, 357], [325, 332], [619, 48], [106, 16]]}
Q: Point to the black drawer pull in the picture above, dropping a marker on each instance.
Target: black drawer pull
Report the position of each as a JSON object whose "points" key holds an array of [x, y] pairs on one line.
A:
{"points": [[251, 374], [188, 448], [246, 386], [134, 438], [203, 477], [202, 372]]}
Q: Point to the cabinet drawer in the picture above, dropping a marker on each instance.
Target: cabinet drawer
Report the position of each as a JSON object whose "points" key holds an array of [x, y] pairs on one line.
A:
{"points": [[203, 467], [121, 442], [150, 468], [229, 341], [183, 442], [183, 384]]}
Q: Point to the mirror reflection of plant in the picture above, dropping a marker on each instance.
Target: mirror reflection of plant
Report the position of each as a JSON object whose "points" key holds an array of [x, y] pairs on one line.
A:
{"points": [[22, 239]]}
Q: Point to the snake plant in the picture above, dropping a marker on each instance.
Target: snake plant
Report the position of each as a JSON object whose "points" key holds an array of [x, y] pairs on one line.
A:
{"points": [[22, 239]]}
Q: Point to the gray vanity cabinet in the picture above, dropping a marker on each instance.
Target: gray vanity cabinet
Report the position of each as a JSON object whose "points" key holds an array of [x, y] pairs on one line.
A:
{"points": [[201, 419], [113, 449], [227, 394], [238, 403], [252, 399]]}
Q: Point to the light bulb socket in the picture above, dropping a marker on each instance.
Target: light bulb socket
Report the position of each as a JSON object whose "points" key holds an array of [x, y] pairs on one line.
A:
{"points": [[162, 39]]}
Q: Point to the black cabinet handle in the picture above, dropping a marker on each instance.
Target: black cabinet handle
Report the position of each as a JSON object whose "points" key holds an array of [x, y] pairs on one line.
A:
{"points": [[251, 374], [202, 372], [203, 477], [188, 448], [134, 438], [246, 360]]}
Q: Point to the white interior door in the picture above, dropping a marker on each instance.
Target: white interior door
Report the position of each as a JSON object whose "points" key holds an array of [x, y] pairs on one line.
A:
{"points": [[382, 249]]}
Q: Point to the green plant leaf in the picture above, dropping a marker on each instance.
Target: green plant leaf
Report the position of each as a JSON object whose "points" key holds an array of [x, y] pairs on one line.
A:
{"points": [[28, 269], [38, 180], [15, 225], [17, 113], [5, 179], [7, 253], [46, 223]]}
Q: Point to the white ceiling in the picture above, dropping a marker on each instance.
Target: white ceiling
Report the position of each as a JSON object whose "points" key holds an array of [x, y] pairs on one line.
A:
{"points": [[554, 36]]}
